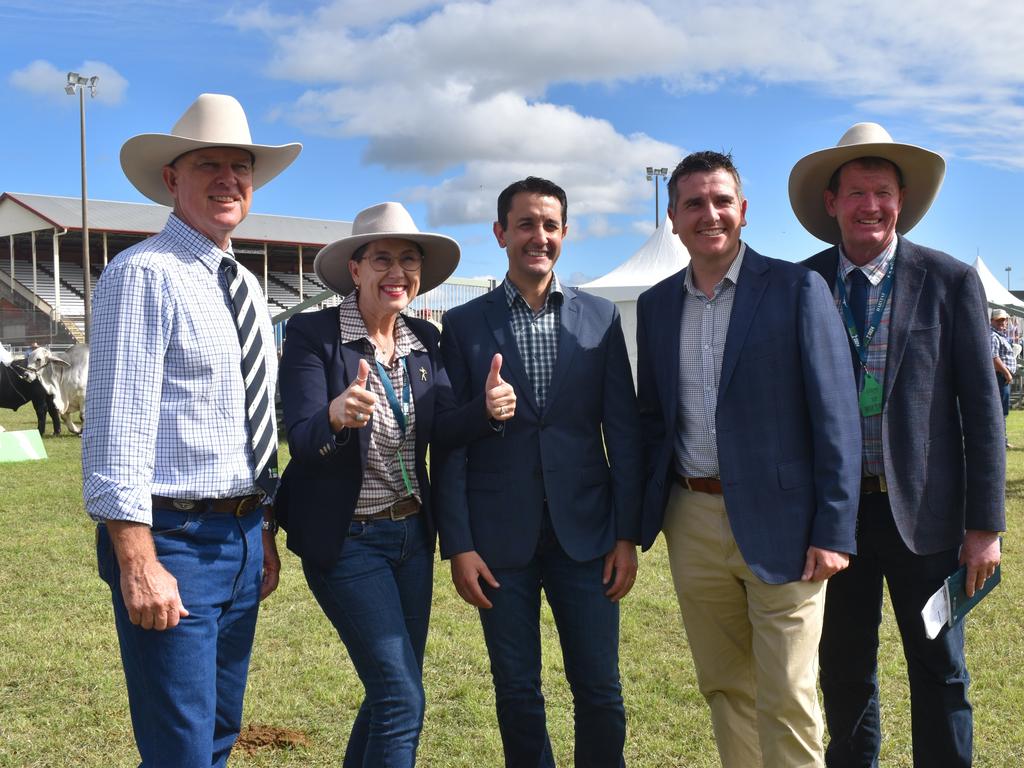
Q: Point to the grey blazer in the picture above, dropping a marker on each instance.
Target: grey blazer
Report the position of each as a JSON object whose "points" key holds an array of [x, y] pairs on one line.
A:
{"points": [[942, 422]]}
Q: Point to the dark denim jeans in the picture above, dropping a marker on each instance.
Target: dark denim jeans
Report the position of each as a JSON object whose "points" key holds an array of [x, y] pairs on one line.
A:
{"points": [[186, 684], [377, 596], [588, 629], [941, 720]]}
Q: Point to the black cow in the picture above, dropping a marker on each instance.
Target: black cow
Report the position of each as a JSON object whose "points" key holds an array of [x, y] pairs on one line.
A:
{"points": [[19, 386]]}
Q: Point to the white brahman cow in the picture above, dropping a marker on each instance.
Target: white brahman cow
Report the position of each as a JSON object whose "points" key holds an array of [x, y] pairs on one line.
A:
{"points": [[64, 377]]}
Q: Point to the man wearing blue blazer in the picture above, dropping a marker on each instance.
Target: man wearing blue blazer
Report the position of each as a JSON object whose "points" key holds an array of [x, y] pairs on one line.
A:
{"points": [[549, 501], [933, 457], [751, 440]]}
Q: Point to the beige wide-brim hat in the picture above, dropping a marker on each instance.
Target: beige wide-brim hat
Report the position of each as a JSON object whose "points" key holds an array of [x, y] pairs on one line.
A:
{"points": [[923, 171], [1000, 314], [440, 253], [213, 120]]}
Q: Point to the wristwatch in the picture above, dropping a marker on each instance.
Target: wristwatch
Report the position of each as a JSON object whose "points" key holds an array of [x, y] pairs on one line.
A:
{"points": [[270, 525]]}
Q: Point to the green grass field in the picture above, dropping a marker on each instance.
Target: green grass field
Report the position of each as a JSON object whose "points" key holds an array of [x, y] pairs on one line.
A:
{"points": [[62, 698]]}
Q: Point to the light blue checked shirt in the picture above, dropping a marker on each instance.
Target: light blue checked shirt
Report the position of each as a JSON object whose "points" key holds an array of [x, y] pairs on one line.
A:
{"points": [[536, 334], [705, 324], [878, 350], [165, 405]]}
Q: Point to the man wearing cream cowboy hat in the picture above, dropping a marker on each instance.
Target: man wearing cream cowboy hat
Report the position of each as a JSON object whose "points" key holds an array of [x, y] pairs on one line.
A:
{"points": [[933, 470], [181, 450]]}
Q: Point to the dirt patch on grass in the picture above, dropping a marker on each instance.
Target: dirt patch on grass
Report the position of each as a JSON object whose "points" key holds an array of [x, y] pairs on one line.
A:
{"points": [[256, 737]]}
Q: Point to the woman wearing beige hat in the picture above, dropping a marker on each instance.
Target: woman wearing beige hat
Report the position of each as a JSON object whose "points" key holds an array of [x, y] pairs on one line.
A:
{"points": [[364, 391]]}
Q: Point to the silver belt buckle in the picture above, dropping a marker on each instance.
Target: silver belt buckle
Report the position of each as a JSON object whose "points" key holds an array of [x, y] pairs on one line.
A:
{"points": [[183, 505]]}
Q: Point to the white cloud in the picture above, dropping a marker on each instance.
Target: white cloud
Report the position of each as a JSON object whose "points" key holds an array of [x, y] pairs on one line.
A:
{"points": [[464, 89], [42, 78]]}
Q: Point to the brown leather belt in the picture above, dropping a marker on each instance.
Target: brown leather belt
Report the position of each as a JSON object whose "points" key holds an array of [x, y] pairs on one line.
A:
{"points": [[873, 484], [400, 510], [239, 506], [701, 484]]}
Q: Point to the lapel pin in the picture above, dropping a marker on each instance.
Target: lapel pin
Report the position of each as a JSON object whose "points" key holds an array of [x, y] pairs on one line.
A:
{"points": [[423, 373]]}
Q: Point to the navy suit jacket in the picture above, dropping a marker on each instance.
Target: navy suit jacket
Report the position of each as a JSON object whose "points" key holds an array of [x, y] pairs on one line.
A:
{"points": [[942, 422], [491, 494], [787, 423], [320, 485]]}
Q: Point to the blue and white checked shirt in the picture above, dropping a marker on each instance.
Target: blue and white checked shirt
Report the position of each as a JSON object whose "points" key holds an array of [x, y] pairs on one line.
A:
{"points": [[705, 325], [878, 350], [165, 405], [536, 334]]}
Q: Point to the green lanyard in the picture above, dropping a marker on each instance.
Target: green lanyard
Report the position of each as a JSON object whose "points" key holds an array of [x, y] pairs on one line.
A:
{"points": [[401, 412]]}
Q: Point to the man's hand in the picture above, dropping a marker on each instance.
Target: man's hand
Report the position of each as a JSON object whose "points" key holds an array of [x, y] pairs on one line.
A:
{"points": [[622, 563], [501, 398], [467, 570], [271, 565], [353, 407], [822, 563], [150, 592], [980, 553]]}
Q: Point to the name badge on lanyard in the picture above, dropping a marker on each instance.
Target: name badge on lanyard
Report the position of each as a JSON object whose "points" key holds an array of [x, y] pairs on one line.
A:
{"points": [[870, 398]]}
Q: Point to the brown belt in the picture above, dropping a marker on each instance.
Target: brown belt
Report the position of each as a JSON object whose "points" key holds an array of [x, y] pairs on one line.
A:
{"points": [[400, 510], [239, 506], [873, 484], [701, 484]]}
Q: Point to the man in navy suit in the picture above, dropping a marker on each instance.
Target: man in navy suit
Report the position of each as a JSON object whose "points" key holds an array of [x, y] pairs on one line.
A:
{"points": [[539, 504], [751, 440], [933, 459]]}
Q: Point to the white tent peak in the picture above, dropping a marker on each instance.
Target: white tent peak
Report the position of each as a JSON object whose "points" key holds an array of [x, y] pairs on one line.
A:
{"points": [[995, 293], [660, 256]]}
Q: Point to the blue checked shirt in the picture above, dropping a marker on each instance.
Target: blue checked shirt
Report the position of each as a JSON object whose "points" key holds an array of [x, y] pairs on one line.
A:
{"points": [[1002, 348], [705, 324], [536, 334], [874, 270], [165, 405]]}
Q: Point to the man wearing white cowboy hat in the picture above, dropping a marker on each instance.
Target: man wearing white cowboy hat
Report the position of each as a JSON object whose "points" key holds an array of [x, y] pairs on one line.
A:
{"points": [[933, 477], [180, 453], [1004, 359]]}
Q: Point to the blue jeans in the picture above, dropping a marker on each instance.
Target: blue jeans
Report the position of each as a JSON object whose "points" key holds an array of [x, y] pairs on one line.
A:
{"points": [[588, 629], [941, 719], [186, 684], [377, 596], [1004, 396]]}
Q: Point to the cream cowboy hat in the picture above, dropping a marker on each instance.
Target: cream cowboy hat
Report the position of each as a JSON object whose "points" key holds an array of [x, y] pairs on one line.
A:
{"points": [[922, 169], [213, 120], [440, 253]]}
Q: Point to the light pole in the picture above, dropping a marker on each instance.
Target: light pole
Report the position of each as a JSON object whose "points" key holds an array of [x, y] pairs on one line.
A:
{"points": [[77, 82], [654, 174], [1008, 277]]}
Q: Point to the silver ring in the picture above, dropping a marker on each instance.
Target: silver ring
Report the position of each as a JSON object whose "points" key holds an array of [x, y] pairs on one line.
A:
{"points": [[501, 411], [360, 417]]}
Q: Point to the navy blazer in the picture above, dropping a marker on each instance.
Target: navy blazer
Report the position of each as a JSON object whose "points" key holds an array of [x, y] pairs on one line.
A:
{"points": [[942, 422], [492, 493], [787, 423], [320, 485]]}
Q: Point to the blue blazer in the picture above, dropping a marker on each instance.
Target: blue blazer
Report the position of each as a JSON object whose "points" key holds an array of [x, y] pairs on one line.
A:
{"points": [[492, 493], [787, 422], [320, 485], [942, 422]]}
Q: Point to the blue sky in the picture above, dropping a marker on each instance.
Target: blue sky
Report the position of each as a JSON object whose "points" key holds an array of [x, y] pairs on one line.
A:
{"points": [[440, 105]]}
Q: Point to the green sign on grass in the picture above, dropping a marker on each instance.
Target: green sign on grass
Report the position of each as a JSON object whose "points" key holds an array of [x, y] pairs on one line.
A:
{"points": [[25, 445]]}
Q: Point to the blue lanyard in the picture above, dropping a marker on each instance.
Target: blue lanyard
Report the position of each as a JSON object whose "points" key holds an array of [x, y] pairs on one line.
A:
{"points": [[400, 411], [885, 290]]}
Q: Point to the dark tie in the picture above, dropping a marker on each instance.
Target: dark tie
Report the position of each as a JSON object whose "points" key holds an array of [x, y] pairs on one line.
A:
{"points": [[259, 416], [859, 287]]}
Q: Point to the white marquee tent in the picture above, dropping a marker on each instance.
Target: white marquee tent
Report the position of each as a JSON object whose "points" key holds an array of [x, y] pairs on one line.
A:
{"points": [[662, 255], [996, 294]]}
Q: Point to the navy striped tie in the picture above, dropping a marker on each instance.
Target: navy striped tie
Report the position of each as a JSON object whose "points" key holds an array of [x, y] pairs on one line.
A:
{"points": [[258, 407]]}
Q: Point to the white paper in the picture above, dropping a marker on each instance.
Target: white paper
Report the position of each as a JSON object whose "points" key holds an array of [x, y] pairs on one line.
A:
{"points": [[936, 613]]}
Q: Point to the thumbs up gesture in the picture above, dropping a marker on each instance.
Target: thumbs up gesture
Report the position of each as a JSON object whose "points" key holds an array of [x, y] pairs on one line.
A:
{"points": [[500, 397], [353, 407]]}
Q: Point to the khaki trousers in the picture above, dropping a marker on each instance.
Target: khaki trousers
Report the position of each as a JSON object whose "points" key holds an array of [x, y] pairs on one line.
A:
{"points": [[754, 645]]}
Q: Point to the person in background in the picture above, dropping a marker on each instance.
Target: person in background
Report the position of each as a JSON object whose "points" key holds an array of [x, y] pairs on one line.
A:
{"points": [[1004, 358]]}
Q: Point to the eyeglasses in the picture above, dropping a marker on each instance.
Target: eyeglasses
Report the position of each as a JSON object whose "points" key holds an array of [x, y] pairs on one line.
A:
{"points": [[409, 262]]}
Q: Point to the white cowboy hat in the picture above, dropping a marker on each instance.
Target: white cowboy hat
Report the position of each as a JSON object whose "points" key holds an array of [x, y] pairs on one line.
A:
{"points": [[440, 253], [1000, 314], [213, 120], [922, 169]]}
